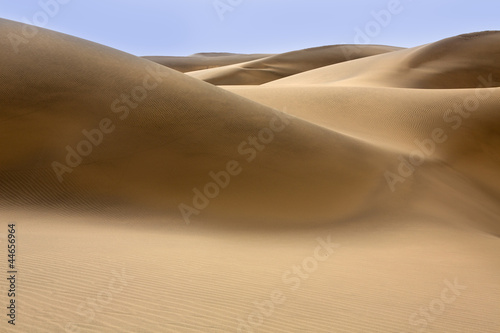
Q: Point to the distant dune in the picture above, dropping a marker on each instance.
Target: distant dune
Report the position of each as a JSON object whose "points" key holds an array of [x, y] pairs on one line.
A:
{"points": [[202, 61], [344, 188], [452, 63], [278, 66]]}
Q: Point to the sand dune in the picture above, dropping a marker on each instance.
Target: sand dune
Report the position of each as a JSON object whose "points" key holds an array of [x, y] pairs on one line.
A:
{"points": [[201, 61], [164, 142], [455, 62], [278, 66], [335, 197]]}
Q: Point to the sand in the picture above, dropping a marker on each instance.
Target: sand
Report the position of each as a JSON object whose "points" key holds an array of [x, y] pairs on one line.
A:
{"points": [[345, 188]]}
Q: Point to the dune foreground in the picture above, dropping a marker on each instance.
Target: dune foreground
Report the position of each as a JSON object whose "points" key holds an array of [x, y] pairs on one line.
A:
{"points": [[345, 188]]}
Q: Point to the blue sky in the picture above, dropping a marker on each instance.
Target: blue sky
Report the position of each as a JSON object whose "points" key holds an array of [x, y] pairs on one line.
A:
{"points": [[183, 27]]}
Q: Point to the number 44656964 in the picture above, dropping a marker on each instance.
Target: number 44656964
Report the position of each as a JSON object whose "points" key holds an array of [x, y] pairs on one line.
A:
{"points": [[12, 246]]}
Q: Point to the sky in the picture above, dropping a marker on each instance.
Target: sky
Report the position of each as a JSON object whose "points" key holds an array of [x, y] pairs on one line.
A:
{"points": [[184, 27]]}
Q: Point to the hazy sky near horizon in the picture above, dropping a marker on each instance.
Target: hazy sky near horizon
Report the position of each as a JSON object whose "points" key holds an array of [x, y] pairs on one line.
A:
{"points": [[183, 27]]}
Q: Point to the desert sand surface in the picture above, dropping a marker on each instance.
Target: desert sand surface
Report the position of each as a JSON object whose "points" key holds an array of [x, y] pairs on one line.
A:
{"points": [[299, 192]]}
